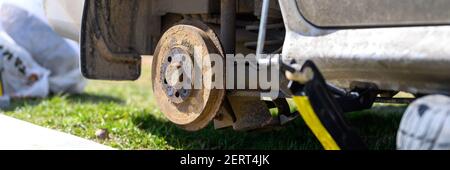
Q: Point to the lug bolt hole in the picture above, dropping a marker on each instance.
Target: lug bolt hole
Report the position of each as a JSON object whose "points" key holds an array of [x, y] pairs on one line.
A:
{"points": [[169, 59], [177, 94], [181, 78]]}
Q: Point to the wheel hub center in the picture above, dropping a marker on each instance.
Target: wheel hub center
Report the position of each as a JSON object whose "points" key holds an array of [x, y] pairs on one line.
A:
{"points": [[174, 75]]}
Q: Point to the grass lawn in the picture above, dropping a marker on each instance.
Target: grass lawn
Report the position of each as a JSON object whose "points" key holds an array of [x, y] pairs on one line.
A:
{"points": [[127, 110]]}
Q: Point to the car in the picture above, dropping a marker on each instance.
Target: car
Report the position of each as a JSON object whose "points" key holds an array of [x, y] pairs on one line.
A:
{"points": [[373, 48]]}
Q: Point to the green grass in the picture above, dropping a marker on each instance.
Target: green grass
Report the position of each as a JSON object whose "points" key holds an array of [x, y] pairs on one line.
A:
{"points": [[127, 110]]}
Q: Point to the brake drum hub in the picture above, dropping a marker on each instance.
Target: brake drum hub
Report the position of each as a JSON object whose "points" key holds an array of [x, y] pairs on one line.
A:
{"points": [[175, 85], [190, 108]]}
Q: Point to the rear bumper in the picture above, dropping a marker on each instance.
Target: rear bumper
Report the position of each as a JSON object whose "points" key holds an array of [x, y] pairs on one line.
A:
{"points": [[413, 59]]}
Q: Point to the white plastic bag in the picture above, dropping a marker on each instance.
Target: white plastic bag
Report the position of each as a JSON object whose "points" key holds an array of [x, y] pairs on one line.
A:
{"points": [[31, 31], [34, 7], [21, 75]]}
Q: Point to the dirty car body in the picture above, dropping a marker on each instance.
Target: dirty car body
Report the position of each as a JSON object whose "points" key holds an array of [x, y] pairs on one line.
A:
{"points": [[396, 45], [388, 45]]}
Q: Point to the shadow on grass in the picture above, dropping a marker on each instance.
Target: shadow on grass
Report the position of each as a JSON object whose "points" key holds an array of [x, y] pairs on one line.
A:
{"points": [[72, 98], [18, 103], [93, 98], [210, 139], [377, 127]]}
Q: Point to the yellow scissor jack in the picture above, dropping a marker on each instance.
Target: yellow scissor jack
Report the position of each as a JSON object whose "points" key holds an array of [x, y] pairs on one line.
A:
{"points": [[321, 106], [314, 123]]}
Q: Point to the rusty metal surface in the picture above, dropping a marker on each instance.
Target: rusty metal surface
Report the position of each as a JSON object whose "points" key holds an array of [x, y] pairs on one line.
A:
{"points": [[251, 114], [195, 111], [225, 117], [412, 59]]}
